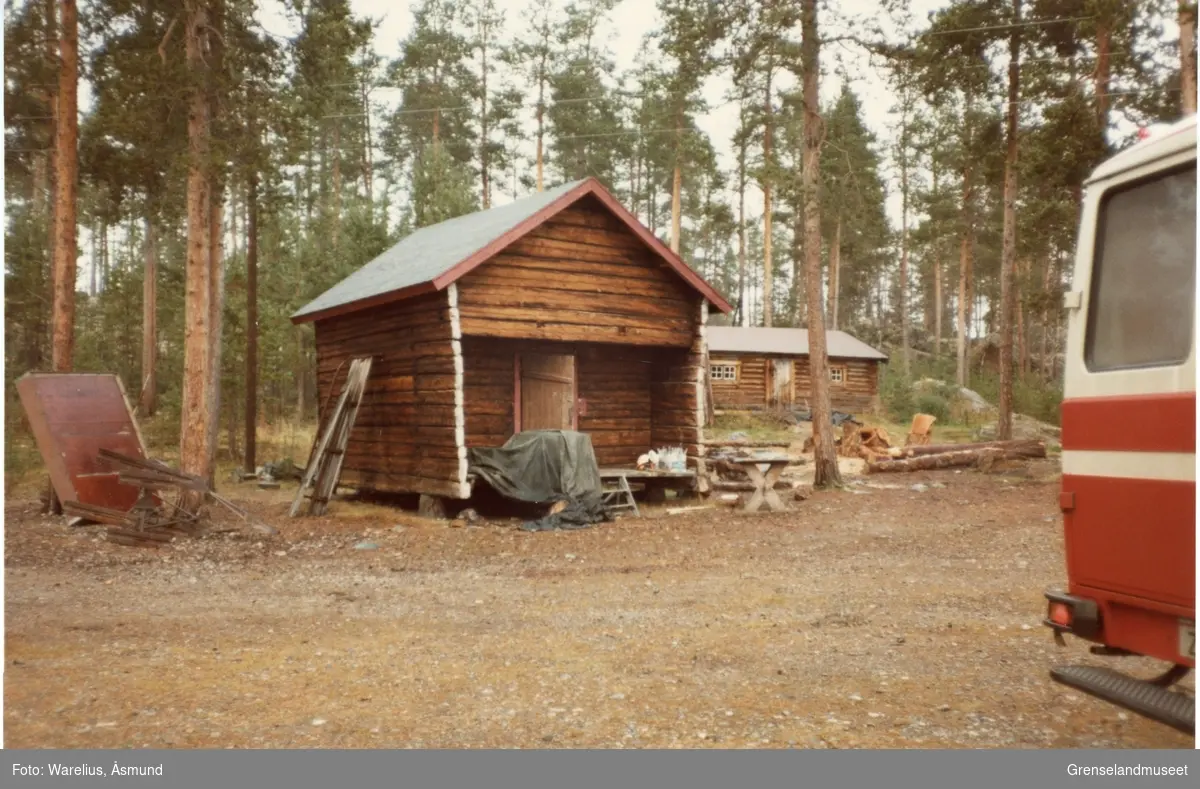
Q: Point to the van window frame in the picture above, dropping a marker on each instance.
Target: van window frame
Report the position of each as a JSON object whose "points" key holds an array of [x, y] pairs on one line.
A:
{"points": [[1094, 280]]}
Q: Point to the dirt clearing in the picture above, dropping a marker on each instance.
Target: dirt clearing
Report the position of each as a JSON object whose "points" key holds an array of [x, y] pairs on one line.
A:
{"points": [[874, 617]]}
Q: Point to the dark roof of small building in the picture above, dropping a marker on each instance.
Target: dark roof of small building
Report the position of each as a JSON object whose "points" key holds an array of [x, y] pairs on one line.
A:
{"points": [[433, 257], [792, 342]]}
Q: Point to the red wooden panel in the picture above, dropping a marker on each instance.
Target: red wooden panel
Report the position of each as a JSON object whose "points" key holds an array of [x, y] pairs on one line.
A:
{"points": [[73, 416], [103, 490]]}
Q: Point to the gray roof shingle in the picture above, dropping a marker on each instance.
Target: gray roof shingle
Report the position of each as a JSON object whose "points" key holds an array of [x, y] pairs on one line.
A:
{"points": [[428, 253], [758, 339]]}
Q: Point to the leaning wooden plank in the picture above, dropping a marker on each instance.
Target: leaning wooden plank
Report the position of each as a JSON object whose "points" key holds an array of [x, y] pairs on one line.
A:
{"points": [[133, 542], [97, 514], [152, 536]]}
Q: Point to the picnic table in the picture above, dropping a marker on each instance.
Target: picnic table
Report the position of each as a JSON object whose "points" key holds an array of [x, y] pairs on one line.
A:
{"points": [[764, 480]]}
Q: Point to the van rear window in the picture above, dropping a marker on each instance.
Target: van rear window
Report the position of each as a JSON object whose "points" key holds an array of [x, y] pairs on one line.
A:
{"points": [[1143, 294]]}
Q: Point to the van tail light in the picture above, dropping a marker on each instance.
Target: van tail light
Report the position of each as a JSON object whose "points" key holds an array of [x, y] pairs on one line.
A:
{"points": [[1060, 614], [1069, 614]]}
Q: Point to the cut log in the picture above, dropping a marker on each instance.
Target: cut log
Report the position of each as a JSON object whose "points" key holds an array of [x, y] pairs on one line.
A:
{"points": [[966, 457], [1021, 448]]}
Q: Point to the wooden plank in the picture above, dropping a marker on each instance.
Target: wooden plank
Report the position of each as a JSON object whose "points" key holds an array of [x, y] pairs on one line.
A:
{"points": [[570, 332], [516, 277]]}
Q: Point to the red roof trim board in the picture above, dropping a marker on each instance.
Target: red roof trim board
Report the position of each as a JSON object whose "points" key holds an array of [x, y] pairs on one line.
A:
{"points": [[589, 187], [368, 303]]}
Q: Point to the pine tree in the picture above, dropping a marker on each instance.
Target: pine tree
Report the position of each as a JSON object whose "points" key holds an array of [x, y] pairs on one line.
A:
{"points": [[1009, 262], [585, 113], [534, 58], [690, 29], [825, 459], [763, 49]]}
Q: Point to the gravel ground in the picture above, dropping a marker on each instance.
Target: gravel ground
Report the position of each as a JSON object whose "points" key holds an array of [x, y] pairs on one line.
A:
{"points": [[873, 617]]}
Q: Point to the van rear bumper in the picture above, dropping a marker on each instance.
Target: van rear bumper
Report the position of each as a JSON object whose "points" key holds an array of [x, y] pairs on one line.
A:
{"points": [[1123, 624]]}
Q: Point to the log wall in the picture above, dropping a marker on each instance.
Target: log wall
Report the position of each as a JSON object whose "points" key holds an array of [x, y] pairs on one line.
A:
{"points": [[582, 276], [614, 382], [678, 387], [857, 393], [405, 437]]}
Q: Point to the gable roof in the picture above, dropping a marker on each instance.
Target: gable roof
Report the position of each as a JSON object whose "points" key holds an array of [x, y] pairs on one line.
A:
{"points": [[433, 257], [794, 342]]}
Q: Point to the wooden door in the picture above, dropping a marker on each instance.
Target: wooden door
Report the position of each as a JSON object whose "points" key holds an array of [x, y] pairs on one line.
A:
{"points": [[781, 383], [546, 392]]}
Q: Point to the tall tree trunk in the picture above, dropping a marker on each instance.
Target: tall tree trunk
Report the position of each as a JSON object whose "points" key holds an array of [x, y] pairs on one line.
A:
{"points": [[796, 313], [149, 398], [1022, 332], [50, 97], [196, 414], [1103, 74], [768, 267], [676, 219], [250, 461], [966, 251], [1187, 55], [541, 124], [216, 244], [37, 192], [743, 300], [938, 297], [337, 180], [484, 136], [825, 460], [835, 273], [905, 361], [216, 305], [1047, 294], [94, 267], [368, 170], [66, 141], [1008, 255]]}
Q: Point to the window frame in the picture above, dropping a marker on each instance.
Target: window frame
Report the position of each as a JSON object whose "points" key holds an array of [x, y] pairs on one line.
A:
{"points": [[1094, 280], [736, 367], [840, 368]]}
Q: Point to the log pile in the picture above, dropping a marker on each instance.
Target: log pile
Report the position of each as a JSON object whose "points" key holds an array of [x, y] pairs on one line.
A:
{"points": [[937, 456]]}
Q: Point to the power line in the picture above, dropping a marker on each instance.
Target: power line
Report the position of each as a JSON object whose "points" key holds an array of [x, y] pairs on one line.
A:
{"points": [[1033, 23]]}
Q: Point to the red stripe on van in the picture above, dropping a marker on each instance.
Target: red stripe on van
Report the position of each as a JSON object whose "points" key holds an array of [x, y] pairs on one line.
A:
{"points": [[1131, 423]]}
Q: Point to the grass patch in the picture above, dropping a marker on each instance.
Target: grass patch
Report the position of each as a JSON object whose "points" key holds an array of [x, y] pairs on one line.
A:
{"points": [[757, 426]]}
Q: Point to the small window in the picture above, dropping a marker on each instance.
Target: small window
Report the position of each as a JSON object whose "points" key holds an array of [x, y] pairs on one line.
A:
{"points": [[837, 375], [723, 371], [1143, 296]]}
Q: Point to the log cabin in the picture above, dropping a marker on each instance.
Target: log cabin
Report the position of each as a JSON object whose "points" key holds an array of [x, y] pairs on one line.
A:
{"points": [[755, 368], [556, 311]]}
